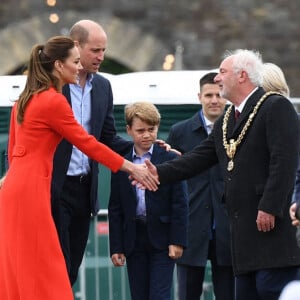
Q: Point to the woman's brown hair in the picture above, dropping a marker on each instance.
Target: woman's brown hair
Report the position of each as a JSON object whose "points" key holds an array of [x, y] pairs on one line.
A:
{"points": [[40, 68]]}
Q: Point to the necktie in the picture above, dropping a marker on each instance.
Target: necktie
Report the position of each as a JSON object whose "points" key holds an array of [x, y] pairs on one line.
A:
{"points": [[236, 114], [209, 128]]}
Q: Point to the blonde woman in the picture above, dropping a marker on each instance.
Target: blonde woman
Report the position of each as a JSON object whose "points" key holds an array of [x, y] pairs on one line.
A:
{"points": [[274, 79]]}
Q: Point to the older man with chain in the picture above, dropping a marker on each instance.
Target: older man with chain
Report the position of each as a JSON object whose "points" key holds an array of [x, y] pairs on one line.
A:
{"points": [[258, 154]]}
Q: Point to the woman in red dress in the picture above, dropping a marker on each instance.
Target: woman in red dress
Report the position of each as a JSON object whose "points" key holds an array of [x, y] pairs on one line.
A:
{"points": [[32, 265]]}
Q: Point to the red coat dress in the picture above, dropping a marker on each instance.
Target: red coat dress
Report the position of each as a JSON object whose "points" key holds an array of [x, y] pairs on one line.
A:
{"points": [[32, 265]]}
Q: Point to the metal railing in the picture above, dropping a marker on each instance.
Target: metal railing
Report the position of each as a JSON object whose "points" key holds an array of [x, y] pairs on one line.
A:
{"points": [[100, 280]]}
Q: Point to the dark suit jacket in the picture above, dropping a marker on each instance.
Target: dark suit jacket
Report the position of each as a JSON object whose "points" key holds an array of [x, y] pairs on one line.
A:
{"points": [[206, 208], [166, 209], [297, 184], [263, 178], [102, 127]]}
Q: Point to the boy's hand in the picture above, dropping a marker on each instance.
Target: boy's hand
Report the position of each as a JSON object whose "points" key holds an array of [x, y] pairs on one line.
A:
{"points": [[118, 259], [175, 251]]}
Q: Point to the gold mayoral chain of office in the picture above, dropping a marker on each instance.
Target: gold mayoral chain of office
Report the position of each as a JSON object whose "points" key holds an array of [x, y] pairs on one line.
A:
{"points": [[231, 147]]}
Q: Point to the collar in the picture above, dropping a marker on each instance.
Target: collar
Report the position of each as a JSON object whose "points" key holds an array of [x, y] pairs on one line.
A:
{"points": [[89, 80], [148, 153], [90, 77], [242, 105], [206, 122]]}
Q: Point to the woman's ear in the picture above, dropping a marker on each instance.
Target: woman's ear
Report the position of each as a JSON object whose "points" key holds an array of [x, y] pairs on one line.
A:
{"points": [[58, 65]]}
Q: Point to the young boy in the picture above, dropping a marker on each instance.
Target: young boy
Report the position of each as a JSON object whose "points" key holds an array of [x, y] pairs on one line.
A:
{"points": [[149, 229]]}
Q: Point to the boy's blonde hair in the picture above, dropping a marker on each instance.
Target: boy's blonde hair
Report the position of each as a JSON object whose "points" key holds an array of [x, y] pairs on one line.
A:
{"points": [[145, 111]]}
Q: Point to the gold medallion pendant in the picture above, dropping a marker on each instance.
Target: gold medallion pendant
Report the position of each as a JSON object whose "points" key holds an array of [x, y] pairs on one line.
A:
{"points": [[230, 151], [230, 165], [231, 147]]}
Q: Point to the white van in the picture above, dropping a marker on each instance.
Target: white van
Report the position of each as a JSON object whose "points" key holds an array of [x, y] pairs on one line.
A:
{"points": [[159, 87]]}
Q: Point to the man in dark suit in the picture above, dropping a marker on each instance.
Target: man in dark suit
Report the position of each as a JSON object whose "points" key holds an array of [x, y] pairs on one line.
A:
{"points": [[259, 172], [75, 177], [295, 207], [148, 228], [208, 234]]}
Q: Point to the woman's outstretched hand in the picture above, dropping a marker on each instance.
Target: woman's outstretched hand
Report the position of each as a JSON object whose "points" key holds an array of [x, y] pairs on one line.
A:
{"points": [[2, 181]]}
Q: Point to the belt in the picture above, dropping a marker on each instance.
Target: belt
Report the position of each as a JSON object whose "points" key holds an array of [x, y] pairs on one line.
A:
{"points": [[141, 219], [81, 179]]}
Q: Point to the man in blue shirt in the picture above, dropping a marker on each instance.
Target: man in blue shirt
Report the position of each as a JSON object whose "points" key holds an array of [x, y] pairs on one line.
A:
{"points": [[75, 176]]}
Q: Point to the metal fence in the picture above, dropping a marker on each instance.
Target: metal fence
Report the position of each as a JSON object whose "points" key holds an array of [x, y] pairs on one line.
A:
{"points": [[100, 280]]}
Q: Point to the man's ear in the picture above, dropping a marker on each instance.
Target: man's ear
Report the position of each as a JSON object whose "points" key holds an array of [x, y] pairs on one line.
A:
{"points": [[199, 98], [76, 43], [243, 76]]}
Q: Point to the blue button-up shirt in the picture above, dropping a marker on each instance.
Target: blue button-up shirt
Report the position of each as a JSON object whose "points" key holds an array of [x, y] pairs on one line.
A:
{"points": [[208, 124], [81, 105], [140, 194]]}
